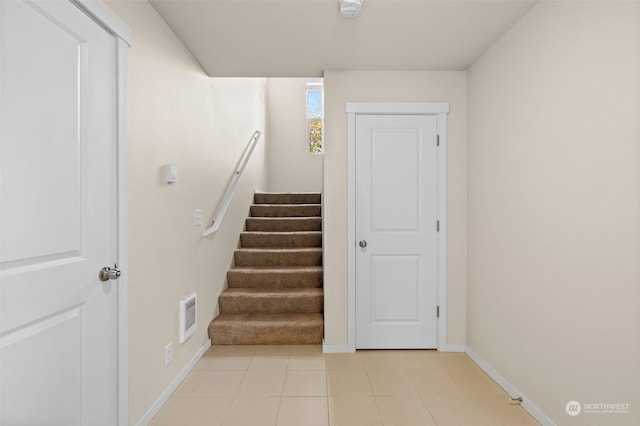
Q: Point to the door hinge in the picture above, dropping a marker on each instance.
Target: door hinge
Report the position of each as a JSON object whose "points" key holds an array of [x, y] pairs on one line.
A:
{"points": [[437, 311], [437, 140], [437, 226]]}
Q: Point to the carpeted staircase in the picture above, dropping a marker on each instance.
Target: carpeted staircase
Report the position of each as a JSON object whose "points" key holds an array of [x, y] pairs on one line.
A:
{"points": [[275, 288]]}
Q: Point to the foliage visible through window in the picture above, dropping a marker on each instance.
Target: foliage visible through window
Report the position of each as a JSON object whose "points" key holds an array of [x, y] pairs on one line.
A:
{"points": [[314, 117]]}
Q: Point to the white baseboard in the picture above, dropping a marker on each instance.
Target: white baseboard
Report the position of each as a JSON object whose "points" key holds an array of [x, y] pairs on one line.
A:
{"points": [[164, 396], [510, 389], [447, 347], [336, 349], [536, 413], [497, 377]]}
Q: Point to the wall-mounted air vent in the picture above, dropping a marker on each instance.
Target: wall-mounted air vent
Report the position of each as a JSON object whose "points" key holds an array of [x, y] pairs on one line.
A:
{"points": [[188, 322]]}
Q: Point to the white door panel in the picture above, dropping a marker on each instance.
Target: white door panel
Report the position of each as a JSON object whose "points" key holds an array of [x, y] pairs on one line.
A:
{"points": [[398, 302], [396, 194], [58, 216]]}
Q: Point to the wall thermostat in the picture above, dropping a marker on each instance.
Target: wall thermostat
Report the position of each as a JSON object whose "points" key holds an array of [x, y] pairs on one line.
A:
{"points": [[170, 173]]}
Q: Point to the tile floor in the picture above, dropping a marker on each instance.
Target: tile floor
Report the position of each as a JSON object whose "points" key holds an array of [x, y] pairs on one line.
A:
{"points": [[301, 386]]}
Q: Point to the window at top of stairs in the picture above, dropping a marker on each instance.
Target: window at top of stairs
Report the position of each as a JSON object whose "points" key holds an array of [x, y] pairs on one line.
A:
{"points": [[315, 114]]}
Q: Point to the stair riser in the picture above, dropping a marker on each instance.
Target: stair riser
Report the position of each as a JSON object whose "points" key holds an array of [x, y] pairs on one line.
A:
{"points": [[273, 305], [244, 334], [283, 225], [281, 240], [249, 279], [309, 198], [304, 210], [307, 258]]}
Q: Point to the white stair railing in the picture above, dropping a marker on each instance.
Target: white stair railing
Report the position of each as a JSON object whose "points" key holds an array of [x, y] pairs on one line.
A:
{"points": [[233, 186]]}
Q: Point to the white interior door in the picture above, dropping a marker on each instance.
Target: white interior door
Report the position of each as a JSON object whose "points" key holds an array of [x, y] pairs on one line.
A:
{"points": [[58, 216], [396, 214]]}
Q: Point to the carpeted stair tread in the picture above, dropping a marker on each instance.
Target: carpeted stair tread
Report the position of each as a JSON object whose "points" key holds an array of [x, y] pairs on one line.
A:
{"points": [[278, 257], [283, 224], [287, 198], [268, 292], [276, 269], [285, 210], [275, 276], [267, 329], [270, 300], [281, 239]]}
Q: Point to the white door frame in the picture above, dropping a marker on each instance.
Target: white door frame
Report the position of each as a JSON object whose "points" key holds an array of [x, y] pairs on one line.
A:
{"points": [[439, 109], [106, 18]]}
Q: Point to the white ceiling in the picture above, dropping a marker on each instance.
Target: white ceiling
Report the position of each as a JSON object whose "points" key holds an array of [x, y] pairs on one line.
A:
{"points": [[301, 38]]}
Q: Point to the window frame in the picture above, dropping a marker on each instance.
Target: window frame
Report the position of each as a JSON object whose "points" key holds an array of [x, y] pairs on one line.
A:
{"points": [[314, 86]]}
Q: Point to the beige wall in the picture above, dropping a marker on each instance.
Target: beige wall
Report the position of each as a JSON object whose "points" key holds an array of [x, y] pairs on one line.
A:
{"points": [[179, 115], [347, 86], [291, 169], [554, 208]]}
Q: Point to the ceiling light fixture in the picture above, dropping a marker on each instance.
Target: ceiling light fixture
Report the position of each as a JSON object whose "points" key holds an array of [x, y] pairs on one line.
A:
{"points": [[350, 8]]}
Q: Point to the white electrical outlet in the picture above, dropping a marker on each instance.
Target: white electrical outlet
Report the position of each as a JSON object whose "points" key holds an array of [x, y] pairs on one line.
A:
{"points": [[168, 353]]}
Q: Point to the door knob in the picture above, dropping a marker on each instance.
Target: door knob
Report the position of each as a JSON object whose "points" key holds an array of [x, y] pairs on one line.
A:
{"points": [[108, 273], [362, 243]]}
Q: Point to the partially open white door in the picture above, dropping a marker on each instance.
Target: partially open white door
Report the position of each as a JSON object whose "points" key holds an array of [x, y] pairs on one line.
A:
{"points": [[58, 320], [396, 230]]}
